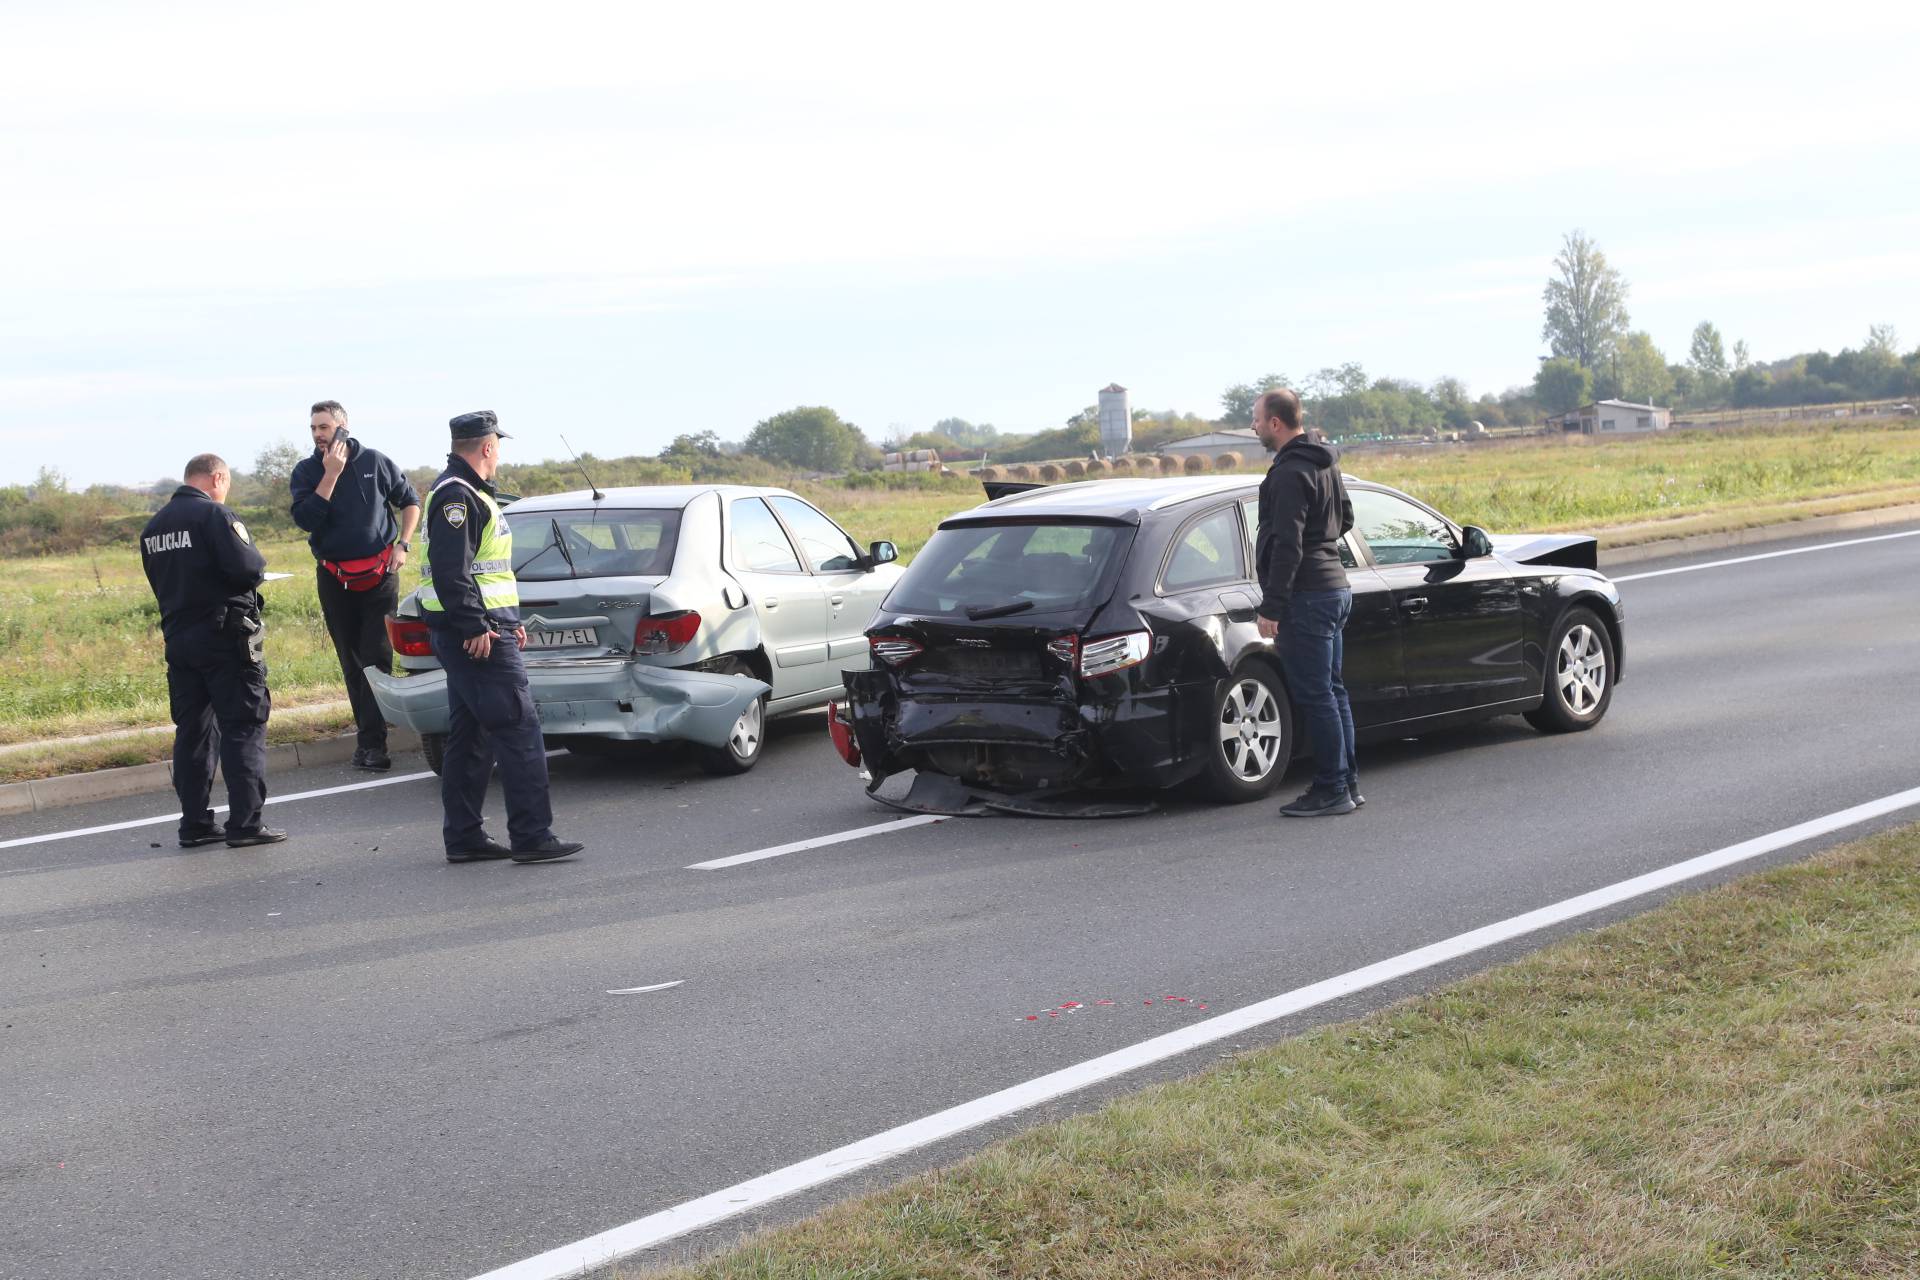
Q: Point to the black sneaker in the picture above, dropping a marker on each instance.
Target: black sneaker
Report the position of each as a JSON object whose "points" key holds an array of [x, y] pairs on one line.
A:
{"points": [[1316, 803], [247, 839], [481, 850], [198, 838], [547, 850], [1353, 794], [374, 758]]}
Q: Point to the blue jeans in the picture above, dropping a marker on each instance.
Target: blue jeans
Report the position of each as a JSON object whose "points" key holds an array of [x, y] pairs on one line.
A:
{"points": [[1311, 649]]}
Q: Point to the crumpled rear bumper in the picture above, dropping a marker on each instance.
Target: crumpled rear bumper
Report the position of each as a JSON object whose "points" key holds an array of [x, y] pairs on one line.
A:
{"points": [[616, 699]]}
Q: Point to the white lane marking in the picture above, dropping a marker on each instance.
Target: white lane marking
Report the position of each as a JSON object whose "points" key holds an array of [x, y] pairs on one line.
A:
{"points": [[1765, 555], [839, 837], [175, 817], [642, 1233], [221, 808], [658, 986]]}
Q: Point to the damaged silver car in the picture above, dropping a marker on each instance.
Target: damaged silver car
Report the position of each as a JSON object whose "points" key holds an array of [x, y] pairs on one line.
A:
{"points": [[667, 613]]}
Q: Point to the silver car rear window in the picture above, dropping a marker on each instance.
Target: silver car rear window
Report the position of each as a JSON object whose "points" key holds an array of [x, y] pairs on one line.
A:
{"points": [[556, 546]]}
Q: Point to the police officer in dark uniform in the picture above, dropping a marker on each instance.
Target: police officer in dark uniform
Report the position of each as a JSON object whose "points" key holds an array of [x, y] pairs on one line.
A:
{"points": [[204, 570], [471, 604]]}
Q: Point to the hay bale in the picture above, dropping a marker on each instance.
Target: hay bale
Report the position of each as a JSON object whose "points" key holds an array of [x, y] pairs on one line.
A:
{"points": [[1196, 464], [1076, 469], [1050, 473], [991, 473], [1168, 464], [1227, 462], [1020, 471], [1099, 467]]}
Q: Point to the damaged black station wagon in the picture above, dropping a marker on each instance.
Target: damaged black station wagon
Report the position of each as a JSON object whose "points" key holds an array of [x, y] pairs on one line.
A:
{"points": [[1071, 649]]}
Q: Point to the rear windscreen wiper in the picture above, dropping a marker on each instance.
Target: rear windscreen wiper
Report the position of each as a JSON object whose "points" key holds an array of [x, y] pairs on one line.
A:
{"points": [[560, 541], [978, 612]]}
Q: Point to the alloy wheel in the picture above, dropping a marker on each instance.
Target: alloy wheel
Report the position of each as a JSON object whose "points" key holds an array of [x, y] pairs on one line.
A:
{"points": [[744, 741], [1582, 670], [1250, 730]]}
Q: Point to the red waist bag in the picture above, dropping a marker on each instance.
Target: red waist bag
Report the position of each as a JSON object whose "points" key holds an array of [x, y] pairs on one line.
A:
{"points": [[363, 574]]}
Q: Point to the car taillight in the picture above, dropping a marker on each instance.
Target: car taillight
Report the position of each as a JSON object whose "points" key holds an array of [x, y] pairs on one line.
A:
{"points": [[840, 729], [668, 633], [410, 639], [1115, 653], [892, 650], [1066, 648]]}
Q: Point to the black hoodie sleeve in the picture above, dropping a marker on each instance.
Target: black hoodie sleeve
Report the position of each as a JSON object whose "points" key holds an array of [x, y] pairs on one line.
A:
{"points": [[1285, 496]]}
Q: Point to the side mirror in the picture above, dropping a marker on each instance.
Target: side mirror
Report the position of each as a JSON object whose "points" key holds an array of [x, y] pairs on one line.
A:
{"points": [[1474, 543], [880, 553]]}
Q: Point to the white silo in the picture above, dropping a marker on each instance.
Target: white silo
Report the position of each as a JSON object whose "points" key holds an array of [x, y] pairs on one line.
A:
{"points": [[1116, 421]]}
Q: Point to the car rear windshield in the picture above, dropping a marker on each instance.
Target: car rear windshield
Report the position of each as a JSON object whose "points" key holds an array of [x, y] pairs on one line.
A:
{"points": [[554, 546], [1035, 568]]}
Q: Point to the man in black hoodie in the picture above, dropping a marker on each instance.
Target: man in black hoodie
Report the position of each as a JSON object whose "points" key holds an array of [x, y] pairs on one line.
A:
{"points": [[1305, 598], [345, 496]]}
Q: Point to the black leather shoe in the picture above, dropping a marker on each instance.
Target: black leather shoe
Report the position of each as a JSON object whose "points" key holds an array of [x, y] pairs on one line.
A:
{"points": [[1319, 804], [248, 839], [373, 758], [484, 849], [204, 837], [547, 850]]}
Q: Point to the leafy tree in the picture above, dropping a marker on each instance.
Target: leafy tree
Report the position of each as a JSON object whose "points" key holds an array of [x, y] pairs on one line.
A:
{"points": [[688, 448], [1586, 303], [972, 435], [1741, 356], [1883, 340], [810, 437], [1635, 371], [273, 466], [1563, 385], [1707, 357], [1237, 400]]}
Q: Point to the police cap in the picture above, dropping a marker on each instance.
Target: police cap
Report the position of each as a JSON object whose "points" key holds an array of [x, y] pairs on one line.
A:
{"points": [[472, 426]]}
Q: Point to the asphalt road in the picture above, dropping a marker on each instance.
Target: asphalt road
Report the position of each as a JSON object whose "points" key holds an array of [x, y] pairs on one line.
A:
{"points": [[342, 1057]]}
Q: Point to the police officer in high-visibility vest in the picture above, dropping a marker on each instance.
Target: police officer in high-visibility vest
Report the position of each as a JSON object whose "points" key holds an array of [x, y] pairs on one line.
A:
{"points": [[472, 608], [205, 571]]}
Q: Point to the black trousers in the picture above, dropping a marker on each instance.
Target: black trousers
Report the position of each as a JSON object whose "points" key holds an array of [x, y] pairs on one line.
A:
{"points": [[490, 717], [218, 696], [357, 623]]}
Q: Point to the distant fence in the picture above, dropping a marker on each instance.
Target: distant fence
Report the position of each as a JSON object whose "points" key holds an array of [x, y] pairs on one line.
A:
{"points": [[1790, 413]]}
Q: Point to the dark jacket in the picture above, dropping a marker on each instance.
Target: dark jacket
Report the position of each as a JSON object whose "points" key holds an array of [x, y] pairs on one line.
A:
{"points": [[200, 561], [358, 520], [450, 552], [1303, 511]]}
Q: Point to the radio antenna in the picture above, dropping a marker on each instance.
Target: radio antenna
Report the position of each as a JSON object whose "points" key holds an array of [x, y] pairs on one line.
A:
{"points": [[597, 495]]}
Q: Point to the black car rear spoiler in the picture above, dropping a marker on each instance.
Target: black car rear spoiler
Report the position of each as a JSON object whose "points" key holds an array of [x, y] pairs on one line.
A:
{"points": [[1001, 488]]}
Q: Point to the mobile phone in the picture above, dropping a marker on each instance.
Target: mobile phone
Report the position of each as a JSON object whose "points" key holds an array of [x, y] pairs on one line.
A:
{"points": [[338, 432]]}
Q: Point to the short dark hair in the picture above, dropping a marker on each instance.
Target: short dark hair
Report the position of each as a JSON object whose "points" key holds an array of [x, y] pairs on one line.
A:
{"points": [[206, 464], [1280, 403], [469, 447], [333, 407]]}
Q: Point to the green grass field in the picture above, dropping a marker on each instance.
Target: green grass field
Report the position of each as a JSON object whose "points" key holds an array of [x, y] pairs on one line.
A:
{"points": [[80, 648], [1726, 1086]]}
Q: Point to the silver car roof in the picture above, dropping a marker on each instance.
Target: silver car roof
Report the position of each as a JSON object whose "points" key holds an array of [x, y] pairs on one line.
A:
{"points": [[644, 496]]}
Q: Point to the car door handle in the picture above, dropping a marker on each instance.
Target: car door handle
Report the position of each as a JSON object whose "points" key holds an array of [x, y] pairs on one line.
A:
{"points": [[770, 602], [1417, 604], [837, 600]]}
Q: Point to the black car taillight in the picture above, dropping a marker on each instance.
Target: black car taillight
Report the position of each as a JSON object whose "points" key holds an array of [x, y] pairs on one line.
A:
{"points": [[410, 639], [892, 650], [1109, 654], [668, 633]]}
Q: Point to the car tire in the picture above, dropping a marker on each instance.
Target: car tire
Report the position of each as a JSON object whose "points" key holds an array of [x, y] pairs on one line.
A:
{"points": [[749, 738], [1578, 686], [1251, 742], [434, 747]]}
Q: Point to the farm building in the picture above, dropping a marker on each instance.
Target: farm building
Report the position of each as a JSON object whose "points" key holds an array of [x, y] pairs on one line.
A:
{"points": [[1615, 417], [1214, 443]]}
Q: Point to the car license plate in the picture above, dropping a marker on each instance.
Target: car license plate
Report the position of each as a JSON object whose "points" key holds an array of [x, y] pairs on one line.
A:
{"points": [[987, 662], [572, 637]]}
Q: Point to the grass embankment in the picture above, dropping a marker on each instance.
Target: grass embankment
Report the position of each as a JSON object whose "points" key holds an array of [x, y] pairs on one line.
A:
{"points": [[1729, 1085], [80, 650]]}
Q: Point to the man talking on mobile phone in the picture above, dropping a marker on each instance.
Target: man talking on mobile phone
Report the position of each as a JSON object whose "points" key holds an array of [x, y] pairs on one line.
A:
{"points": [[471, 604], [359, 511]]}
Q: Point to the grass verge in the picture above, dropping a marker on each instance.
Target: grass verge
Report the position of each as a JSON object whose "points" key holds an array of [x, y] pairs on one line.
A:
{"points": [[1726, 1086], [57, 759]]}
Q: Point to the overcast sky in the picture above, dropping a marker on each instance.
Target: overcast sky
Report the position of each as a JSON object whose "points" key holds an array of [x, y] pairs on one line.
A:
{"points": [[625, 221]]}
